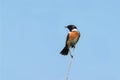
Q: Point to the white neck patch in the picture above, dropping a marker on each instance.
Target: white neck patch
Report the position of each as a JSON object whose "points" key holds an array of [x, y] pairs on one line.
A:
{"points": [[74, 30]]}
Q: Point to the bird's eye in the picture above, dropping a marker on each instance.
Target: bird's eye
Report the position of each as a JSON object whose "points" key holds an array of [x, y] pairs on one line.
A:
{"points": [[75, 27]]}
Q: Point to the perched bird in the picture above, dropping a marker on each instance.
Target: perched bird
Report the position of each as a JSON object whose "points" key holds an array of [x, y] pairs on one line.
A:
{"points": [[72, 38]]}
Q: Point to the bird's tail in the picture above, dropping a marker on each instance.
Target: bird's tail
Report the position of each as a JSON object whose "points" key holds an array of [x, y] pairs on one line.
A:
{"points": [[64, 51]]}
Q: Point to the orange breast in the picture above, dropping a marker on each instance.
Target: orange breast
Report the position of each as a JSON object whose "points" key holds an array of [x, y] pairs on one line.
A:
{"points": [[74, 35], [73, 38]]}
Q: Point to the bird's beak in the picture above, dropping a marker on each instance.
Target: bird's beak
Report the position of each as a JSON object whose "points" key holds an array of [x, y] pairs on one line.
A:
{"points": [[66, 27]]}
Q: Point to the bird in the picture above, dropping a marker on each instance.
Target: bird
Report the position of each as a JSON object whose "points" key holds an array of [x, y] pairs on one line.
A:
{"points": [[71, 40]]}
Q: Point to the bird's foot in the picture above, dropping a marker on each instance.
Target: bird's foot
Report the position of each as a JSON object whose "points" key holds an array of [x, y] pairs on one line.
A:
{"points": [[71, 56]]}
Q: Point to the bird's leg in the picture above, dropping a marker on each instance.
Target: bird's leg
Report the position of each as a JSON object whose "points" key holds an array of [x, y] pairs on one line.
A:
{"points": [[71, 53]]}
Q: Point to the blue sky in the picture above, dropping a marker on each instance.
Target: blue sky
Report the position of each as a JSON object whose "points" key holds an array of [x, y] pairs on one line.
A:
{"points": [[32, 34]]}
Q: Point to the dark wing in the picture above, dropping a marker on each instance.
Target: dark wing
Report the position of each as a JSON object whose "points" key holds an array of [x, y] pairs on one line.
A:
{"points": [[67, 40], [65, 49]]}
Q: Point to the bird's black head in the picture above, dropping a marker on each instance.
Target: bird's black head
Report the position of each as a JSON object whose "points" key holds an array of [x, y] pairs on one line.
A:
{"points": [[71, 27]]}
